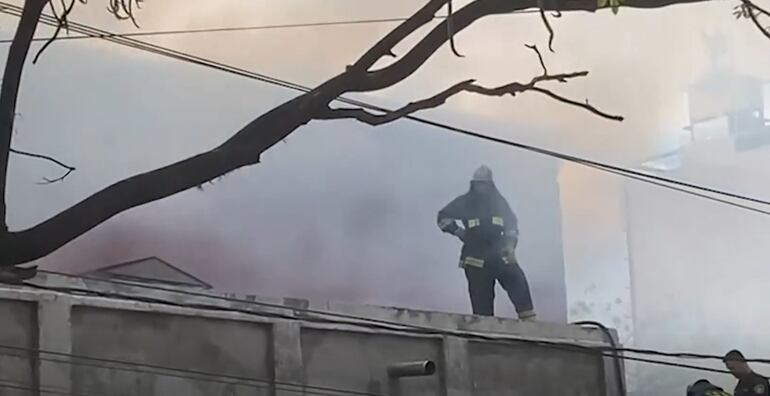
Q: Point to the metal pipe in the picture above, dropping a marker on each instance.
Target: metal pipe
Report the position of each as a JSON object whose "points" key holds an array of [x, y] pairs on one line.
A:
{"points": [[412, 369]]}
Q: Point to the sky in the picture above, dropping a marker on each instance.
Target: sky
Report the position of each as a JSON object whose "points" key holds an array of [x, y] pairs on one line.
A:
{"points": [[341, 210]]}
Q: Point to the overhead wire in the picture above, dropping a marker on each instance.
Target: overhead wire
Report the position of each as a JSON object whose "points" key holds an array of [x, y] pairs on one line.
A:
{"points": [[60, 390], [597, 165], [175, 32], [21, 386], [374, 322], [663, 182], [616, 358], [177, 371], [563, 346], [5, 7]]}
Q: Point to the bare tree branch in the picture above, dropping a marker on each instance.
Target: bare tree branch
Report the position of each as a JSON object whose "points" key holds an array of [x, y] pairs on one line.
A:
{"points": [[42, 157], [245, 147], [67, 168], [62, 24], [124, 9], [748, 9], [585, 105], [548, 27], [450, 29], [9, 91], [539, 57], [439, 99], [461, 19], [58, 179], [385, 46], [373, 119], [242, 149]]}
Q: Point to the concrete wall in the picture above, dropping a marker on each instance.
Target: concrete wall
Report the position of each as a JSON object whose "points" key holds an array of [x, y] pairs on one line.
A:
{"points": [[135, 341]]}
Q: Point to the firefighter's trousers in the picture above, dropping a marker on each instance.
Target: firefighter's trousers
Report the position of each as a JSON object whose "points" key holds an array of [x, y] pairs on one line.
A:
{"points": [[481, 287]]}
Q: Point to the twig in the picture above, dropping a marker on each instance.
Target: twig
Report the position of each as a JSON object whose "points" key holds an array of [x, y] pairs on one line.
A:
{"points": [[549, 28], [439, 99], [375, 119], [69, 169], [512, 89], [749, 7], [539, 57], [585, 105], [450, 30], [62, 24], [58, 179], [385, 46], [124, 9]]}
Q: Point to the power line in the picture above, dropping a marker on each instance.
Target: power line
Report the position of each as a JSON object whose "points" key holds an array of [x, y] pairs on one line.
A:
{"points": [[682, 190], [612, 169], [223, 29], [380, 323], [179, 55], [572, 347], [177, 372], [185, 373]]}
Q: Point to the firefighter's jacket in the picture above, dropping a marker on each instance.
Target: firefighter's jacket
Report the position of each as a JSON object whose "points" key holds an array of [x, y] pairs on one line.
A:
{"points": [[490, 225], [705, 388]]}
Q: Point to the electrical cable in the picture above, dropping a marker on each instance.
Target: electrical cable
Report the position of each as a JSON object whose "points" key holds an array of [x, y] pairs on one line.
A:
{"points": [[620, 378], [617, 170], [373, 322], [64, 391], [20, 386], [48, 389], [224, 29], [640, 176], [181, 373]]}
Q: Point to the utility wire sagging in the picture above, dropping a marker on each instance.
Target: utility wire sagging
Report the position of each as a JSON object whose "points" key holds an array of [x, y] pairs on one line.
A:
{"points": [[323, 316], [663, 182]]}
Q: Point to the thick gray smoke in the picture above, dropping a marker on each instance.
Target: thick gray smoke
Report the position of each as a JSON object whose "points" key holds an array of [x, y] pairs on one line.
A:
{"points": [[340, 211], [346, 212]]}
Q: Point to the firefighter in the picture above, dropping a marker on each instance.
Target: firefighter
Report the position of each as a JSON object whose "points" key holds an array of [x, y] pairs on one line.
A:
{"points": [[489, 234], [703, 387], [749, 382]]}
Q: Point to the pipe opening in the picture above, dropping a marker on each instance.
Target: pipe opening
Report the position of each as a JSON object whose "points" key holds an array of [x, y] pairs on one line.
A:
{"points": [[412, 369]]}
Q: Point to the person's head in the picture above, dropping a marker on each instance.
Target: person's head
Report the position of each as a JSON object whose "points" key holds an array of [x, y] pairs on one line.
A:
{"points": [[700, 386], [482, 181], [736, 363]]}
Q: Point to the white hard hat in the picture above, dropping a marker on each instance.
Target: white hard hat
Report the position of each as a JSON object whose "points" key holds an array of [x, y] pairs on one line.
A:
{"points": [[482, 174]]}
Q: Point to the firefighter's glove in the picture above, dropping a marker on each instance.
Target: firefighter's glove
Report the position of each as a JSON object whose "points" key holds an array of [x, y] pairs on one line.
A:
{"points": [[509, 252], [460, 233]]}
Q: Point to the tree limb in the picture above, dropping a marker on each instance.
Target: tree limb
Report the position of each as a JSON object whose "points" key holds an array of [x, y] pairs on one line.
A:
{"points": [[245, 147], [68, 169], [461, 19], [439, 99], [385, 46], [584, 105], [749, 9], [62, 24], [242, 149], [9, 92], [373, 119], [548, 27]]}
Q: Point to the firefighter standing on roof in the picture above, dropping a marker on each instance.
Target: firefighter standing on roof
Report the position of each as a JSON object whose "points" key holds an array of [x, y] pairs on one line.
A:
{"points": [[489, 235]]}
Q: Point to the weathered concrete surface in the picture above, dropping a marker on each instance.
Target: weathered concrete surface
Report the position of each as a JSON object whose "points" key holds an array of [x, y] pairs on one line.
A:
{"points": [[359, 361], [527, 370], [260, 346], [17, 365], [230, 348]]}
